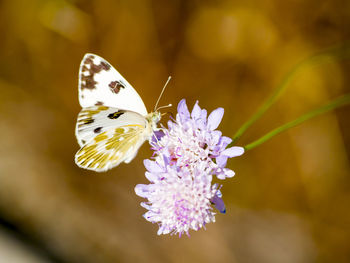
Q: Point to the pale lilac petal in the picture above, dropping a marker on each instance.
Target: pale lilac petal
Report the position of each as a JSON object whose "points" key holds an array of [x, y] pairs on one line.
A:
{"points": [[163, 230], [151, 216], [153, 177], [152, 166], [166, 159], [221, 160], [229, 173], [196, 112], [142, 190], [145, 205], [233, 151], [221, 176], [183, 110], [216, 135], [215, 118], [224, 141], [171, 124], [201, 124], [203, 118], [204, 114]]}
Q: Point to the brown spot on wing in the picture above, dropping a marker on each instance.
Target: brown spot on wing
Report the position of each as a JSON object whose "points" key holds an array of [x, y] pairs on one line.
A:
{"points": [[115, 86], [87, 80], [105, 66], [99, 103], [115, 115], [98, 130]]}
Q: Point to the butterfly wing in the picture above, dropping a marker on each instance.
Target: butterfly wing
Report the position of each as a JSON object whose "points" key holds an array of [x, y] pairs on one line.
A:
{"points": [[94, 120], [108, 136], [102, 85]]}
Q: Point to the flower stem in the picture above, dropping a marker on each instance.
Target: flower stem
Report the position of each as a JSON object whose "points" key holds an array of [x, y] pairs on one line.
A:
{"points": [[340, 101], [326, 56]]}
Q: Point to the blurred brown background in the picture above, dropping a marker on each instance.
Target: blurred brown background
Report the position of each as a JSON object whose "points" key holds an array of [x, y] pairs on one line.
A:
{"points": [[289, 200]]}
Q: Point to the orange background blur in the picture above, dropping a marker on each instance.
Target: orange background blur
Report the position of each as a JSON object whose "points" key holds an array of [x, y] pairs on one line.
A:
{"points": [[289, 200]]}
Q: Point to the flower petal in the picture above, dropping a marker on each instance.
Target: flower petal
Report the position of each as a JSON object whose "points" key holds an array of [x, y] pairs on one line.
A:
{"points": [[223, 173], [215, 118], [216, 135], [182, 110], [145, 205], [152, 177], [196, 112], [152, 166], [171, 125], [233, 151], [229, 173], [142, 190], [204, 114], [221, 160], [224, 141]]}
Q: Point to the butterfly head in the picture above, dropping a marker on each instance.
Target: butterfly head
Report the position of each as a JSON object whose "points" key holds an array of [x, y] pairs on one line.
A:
{"points": [[153, 118]]}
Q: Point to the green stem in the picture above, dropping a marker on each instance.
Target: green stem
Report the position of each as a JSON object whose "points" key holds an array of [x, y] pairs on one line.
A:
{"points": [[340, 101], [329, 55]]}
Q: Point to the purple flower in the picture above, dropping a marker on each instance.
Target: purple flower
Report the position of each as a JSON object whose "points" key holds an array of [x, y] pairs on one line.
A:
{"points": [[178, 200], [186, 156], [192, 139]]}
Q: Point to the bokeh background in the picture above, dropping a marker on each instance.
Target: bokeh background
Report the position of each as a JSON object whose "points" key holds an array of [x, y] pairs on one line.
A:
{"points": [[289, 200]]}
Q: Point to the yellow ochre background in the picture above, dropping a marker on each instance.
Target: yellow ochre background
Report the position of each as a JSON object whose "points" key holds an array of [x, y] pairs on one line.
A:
{"points": [[289, 201]]}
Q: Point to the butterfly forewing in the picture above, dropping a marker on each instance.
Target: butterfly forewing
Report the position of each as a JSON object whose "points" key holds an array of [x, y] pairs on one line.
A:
{"points": [[102, 85]]}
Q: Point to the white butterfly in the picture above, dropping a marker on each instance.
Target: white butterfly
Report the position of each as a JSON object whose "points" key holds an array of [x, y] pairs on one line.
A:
{"points": [[114, 122]]}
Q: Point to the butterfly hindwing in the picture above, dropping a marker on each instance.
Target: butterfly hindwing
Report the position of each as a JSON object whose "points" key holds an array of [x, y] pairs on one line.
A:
{"points": [[110, 148], [102, 85], [108, 136]]}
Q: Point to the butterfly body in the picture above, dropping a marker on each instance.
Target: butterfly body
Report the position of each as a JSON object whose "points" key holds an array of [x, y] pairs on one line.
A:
{"points": [[113, 122]]}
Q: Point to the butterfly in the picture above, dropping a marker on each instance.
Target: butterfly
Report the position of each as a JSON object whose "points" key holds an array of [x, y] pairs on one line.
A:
{"points": [[113, 122]]}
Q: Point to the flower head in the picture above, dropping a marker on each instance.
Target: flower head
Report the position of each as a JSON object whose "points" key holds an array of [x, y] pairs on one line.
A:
{"points": [[192, 139], [177, 199], [187, 155]]}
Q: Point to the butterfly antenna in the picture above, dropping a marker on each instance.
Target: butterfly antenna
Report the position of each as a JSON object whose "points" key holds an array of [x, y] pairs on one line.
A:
{"points": [[166, 106], [166, 83]]}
